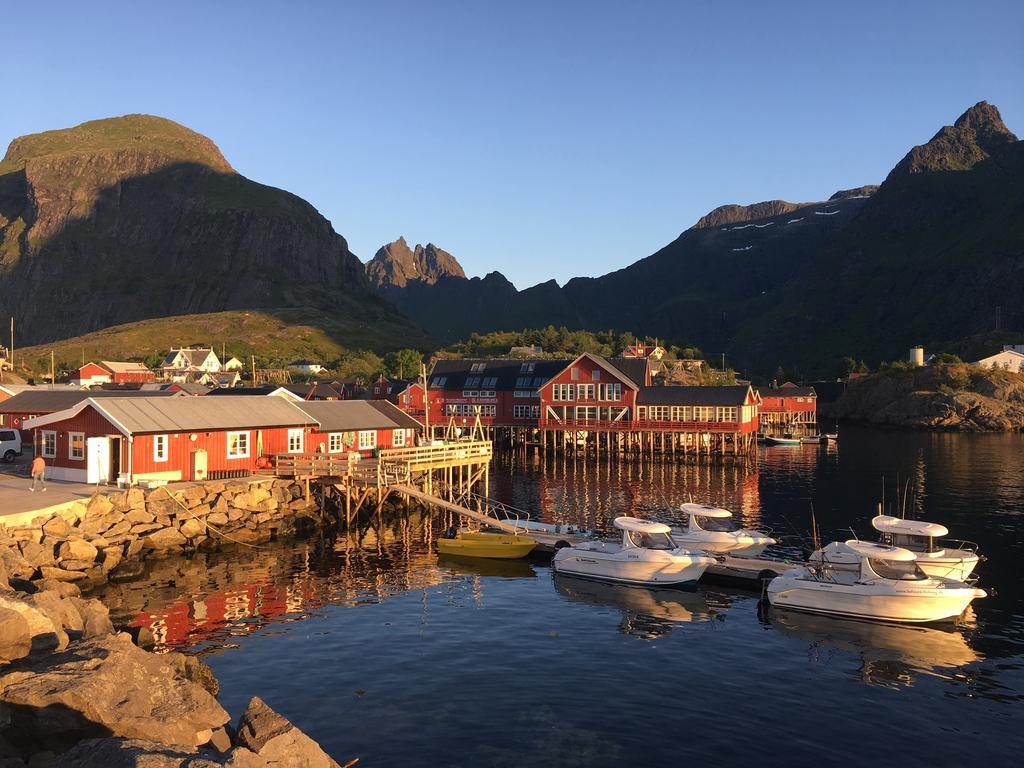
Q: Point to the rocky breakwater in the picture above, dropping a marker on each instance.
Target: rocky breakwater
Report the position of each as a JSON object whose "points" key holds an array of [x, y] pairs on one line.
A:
{"points": [[954, 397], [76, 694], [109, 536]]}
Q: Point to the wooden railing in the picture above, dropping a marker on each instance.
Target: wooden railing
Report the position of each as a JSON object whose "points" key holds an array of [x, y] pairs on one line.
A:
{"points": [[448, 454], [391, 465], [647, 425]]}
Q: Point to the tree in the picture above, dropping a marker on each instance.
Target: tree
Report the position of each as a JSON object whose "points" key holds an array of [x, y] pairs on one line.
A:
{"points": [[403, 364]]}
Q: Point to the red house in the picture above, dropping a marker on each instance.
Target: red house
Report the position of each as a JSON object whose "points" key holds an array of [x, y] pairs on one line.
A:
{"points": [[502, 393], [789, 409], [135, 439], [388, 389], [592, 397], [41, 401], [113, 372], [358, 425]]}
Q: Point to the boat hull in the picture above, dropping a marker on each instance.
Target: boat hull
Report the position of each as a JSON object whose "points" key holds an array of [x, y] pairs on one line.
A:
{"points": [[589, 565], [782, 441], [913, 606], [491, 546]]}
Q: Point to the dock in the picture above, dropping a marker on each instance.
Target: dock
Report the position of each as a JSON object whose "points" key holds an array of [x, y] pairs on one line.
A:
{"points": [[447, 477]]}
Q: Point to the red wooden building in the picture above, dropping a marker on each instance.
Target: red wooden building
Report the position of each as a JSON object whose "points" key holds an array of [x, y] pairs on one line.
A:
{"points": [[134, 439], [789, 409], [114, 372], [610, 405], [40, 401]]}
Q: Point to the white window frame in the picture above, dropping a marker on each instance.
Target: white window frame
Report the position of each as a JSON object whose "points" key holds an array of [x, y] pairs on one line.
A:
{"points": [[244, 434], [398, 438], [71, 445], [158, 442], [367, 439], [48, 434], [293, 433], [335, 442]]}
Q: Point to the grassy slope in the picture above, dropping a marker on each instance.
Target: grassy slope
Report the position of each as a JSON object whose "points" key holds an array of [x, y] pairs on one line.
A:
{"points": [[275, 337]]}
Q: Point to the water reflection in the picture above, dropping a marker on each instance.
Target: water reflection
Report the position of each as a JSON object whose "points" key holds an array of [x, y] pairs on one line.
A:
{"points": [[891, 655], [646, 613]]}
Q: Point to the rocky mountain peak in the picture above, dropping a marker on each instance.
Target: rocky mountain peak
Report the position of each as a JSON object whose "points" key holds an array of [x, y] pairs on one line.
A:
{"points": [[396, 264], [976, 135], [733, 214]]}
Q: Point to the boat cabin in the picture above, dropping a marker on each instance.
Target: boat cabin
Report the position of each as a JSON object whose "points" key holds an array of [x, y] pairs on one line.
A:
{"points": [[915, 535], [703, 517], [881, 561], [644, 534]]}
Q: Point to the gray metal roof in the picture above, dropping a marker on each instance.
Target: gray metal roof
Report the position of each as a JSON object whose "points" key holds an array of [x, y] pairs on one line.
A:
{"points": [[395, 413], [41, 400], [187, 414], [344, 415], [725, 396]]}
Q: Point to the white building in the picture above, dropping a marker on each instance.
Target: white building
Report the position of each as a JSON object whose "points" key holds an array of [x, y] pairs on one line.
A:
{"points": [[308, 366], [1009, 359]]}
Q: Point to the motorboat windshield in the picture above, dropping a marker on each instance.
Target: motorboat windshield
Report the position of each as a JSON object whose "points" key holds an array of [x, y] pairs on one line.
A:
{"points": [[715, 524], [651, 540], [913, 543], [897, 570]]}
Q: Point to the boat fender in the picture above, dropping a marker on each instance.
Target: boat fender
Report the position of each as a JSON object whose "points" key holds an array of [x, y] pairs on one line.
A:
{"points": [[562, 544]]}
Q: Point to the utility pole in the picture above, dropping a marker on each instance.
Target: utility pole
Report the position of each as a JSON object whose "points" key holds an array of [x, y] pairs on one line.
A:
{"points": [[12, 344], [53, 375], [252, 358]]}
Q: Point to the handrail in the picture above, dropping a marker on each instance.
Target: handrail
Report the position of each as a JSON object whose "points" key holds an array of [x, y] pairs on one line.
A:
{"points": [[649, 425]]}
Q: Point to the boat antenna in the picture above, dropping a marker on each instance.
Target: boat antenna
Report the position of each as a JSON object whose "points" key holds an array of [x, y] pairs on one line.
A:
{"points": [[903, 509], [814, 530], [881, 507]]}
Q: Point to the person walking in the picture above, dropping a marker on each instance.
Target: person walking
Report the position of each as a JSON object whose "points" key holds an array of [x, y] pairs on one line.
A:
{"points": [[38, 472]]}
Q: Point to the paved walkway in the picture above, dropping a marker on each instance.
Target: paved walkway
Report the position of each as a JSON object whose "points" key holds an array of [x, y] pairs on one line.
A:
{"points": [[16, 498]]}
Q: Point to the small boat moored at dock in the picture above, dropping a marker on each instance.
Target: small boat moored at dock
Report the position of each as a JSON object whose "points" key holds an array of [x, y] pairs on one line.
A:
{"points": [[950, 560], [710, 529], [646, 556], [888, 585], [781, 440], [490, 545]]}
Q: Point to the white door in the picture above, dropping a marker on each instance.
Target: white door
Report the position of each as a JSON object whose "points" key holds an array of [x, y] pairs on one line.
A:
{"points": [[97, 451]]}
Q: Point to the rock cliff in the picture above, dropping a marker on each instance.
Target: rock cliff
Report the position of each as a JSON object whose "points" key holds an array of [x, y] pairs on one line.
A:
{"points": [[958, 398], [134, 217]]}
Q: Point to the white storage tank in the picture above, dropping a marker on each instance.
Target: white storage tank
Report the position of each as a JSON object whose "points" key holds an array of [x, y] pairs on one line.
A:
{"points": [[917, 355]]}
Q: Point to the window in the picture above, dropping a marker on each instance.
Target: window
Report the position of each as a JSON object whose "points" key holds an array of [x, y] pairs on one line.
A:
{"points": [[609, 391], [367, 440], [397, 438], [76, 445], [470, 393], [439, 382], [487, 393], [575, 374], [159, 448], [238, 445], [6, 437], [584, 391], [564, 392], [702, 413], [595, 375], [335, 442], [472, 381], [295, 440], [49, 446], [526, 411], [490, 381], [477, 367], [527, 367], [524, 393]]}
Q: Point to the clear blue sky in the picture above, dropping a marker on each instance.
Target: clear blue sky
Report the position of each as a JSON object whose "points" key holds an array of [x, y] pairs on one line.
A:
{"points": [[542, 139]]}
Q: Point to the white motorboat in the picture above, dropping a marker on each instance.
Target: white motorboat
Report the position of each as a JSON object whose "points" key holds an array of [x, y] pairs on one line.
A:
{"points": [[525, 525], [710, 529], [888, 585], [955, 561], [647, 555]]}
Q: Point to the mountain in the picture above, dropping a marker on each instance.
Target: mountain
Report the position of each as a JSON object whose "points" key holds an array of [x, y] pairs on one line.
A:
{"points": [[137, 217], [926, 257], [395, 265]]}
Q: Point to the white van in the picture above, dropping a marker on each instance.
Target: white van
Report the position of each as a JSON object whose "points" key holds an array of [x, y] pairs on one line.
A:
{"points": [[10, 444]]}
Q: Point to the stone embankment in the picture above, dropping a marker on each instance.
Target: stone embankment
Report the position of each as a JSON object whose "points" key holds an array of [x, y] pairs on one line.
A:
{"points": [[107, 537], [74, 692]]}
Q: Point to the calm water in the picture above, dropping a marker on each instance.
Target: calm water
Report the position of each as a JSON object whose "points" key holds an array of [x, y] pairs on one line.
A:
{"points": [[380, 650]]}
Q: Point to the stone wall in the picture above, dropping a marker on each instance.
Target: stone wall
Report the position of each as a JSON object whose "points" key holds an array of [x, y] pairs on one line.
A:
{"points": [[108, 536], [75, 693]]}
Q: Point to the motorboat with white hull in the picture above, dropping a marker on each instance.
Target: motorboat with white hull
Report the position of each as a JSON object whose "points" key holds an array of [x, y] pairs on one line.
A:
{"points": [[646, 556], [888, 585], [950, 560], [710, 529]]}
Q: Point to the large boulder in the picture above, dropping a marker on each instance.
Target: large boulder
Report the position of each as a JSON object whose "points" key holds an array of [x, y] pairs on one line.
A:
{"points": [[107, 686], [276, 740], [15, 635], [45, 633], [164, 539], [78, 549], [14, 565], [36, 554], [133, 753], [95, 617]]}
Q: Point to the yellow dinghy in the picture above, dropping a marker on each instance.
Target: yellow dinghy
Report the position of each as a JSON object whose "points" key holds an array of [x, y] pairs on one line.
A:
{"points": [[494, 545]]}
